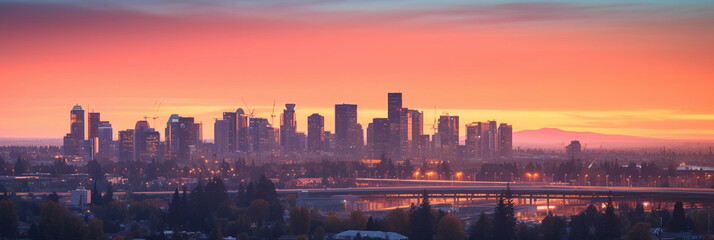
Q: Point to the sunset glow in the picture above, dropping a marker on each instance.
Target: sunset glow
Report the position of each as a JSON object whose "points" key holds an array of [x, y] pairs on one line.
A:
{"points": [[618, 68]]}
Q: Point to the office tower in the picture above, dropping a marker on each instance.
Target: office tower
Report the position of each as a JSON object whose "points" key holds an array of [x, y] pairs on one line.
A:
{"points": [[261, 135], [505, 140], [220, 136], [406, 139], [394, 113], [449, 134], [181, 136], [93, 123], [380, 137], [288, 128], [199, 132], [105, 139], [74, 140], [242, 133], [316, 133], [347, 131], [171, 136], [370, 137], [126, 145], [231, 119], [417, 130], [146, 142], [472, 140], [329, 142], [300, 140], [573, 150]]}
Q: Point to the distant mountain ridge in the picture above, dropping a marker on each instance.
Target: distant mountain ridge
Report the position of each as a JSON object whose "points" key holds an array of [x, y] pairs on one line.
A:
{"points": [[557, 137], [30, 141]]}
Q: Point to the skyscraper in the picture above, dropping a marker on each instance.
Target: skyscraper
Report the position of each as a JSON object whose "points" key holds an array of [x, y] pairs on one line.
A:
{"points": [[573, 150], [394, 113], [380, 137], [181, 136], [146, 142], [93, 123], [505, 140], [288, 127], [347, 131], [472, 139], [405, 134], [449, 134], [105, 139], [417, 128], [316, 133], [242, 135], [231, 120], [126, 145], [74, 140], [220, 136], [261, 135]]}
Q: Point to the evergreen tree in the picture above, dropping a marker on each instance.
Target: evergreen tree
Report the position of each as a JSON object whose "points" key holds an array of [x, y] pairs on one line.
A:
{"points": [[678, 222], [423, 227], [109, 195], [504, 220], [96, 195], [370, 225], [21, 166], [609, 224], [553, 228], [482, 229]]}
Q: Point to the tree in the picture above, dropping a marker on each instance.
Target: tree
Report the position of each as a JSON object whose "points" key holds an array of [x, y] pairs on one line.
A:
{"points": [[96, 195], [678, 221], [422, 227], [553, 228], [608, 226], [21, 166], [216, 233], [8, 219], [398, 221], [259, 210], [96, 229], [109, 196], [299, 220], [449, 228], [332, 223], [357, 221], [482, 229], [57, 222], [641, 231], [504, 220], [371, 226]]}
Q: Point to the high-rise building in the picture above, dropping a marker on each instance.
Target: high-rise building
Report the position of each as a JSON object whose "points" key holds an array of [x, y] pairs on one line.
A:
{"points": [[220, 136], [417, 128], [288, 128], [347, 130], [488, 140], [126, 145], [394, 113], [448, 127], [330, 141], [379, 137], [405, 136], [242, 132], [472, 140], [146, 142], [93, 123], [505, 140], [261, 135], [316, 133], [181, 136], [573, 150], [232, 121], [105, 139], [74, 140]]}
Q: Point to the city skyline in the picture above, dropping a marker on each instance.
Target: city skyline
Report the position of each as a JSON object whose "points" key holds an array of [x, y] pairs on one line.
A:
{"points": [[629, 68]]}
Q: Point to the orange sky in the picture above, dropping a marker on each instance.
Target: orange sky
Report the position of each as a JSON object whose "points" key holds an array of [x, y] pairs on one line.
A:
{"points": [[645, 71]]}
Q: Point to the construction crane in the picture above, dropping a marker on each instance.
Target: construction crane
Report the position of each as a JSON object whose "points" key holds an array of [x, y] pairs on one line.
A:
{"points": [[272, 115], [434, 126], [250, 111], [156, 114]]}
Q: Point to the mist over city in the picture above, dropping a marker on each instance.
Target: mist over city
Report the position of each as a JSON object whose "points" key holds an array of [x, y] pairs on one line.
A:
{"points": [[352, 120]]}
